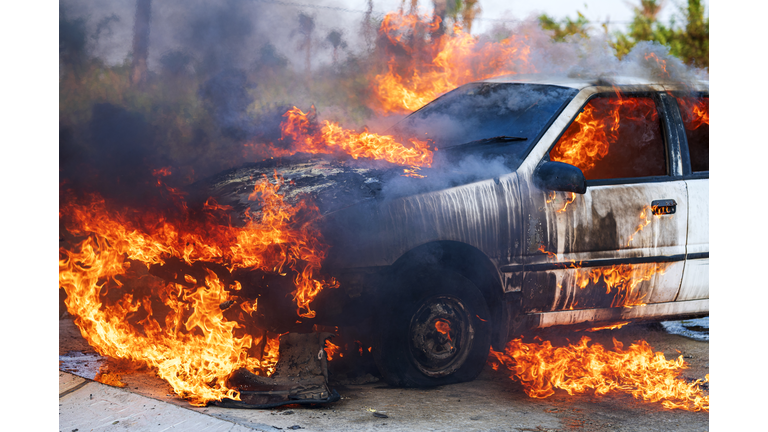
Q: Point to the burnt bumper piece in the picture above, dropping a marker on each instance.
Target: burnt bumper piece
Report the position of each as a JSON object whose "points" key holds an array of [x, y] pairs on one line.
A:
{"points": [[301, 376]]}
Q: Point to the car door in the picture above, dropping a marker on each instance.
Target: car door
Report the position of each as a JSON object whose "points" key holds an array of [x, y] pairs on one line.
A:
{"points": [[693, 109], [622, 243]]}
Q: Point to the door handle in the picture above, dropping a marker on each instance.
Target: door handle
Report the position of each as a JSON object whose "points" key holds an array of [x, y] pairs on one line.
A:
{"points": [[663, 207]]}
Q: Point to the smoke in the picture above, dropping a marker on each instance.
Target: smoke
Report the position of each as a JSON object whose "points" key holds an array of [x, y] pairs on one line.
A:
{"points": [[219, 35], [595, 58], [226, 97], [653, 61], [222, 74], [445, 174], [72, 38], [475, 112]]}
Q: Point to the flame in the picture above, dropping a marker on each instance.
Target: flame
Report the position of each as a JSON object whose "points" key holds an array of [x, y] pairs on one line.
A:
{"points": [[443, 327], [181, 330], [552, 197], [571, 198], [109, 378], [162, 172], [440, 64], [581, 367], [695, 111], [588, 139], [331, 137], [608, 327], [645, 219], [623, 279], [331, 349], [662, 64], [249, 307], [550, 255], [411, 172], [422, 64]]}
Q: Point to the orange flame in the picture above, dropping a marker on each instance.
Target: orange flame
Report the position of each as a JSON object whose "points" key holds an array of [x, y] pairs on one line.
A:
{"points": [[422, 65], [443, 327], [550, 255], [571, 198], [331, 349], [552, 197], [623, 279], [579, 368], [588, 138], [608, 327], [645, 218], [662, 64], [412, 172], [695, 111], [182, 332], [439, 65], [331, 137]]}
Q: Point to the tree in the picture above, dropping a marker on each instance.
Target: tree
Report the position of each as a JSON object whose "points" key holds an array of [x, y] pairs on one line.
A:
{"points": [[689, 43], [335, 38], [140, 42], [368, 26], [693, 43], [567, 27], [72, 39], [643, 27], [306, 27], [463, 12]]}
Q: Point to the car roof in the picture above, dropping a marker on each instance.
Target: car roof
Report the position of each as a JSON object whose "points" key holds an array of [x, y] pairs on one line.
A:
{"points": [[580, 82]]}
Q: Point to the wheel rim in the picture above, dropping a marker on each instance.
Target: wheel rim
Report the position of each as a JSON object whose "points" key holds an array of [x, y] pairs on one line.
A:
{"points": [[440, 336]]}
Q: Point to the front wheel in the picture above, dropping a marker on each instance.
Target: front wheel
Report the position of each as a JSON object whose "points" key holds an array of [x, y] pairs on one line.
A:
{"points": [[437, 330]]}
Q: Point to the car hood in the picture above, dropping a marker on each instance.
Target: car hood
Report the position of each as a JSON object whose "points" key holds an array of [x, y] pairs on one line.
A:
{"points": [[331, 184], [334, 184]]}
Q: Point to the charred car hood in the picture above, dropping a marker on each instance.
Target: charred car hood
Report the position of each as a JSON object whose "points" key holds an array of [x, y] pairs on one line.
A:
{"points": [[331, 184], [355, 198], [334, 184]]}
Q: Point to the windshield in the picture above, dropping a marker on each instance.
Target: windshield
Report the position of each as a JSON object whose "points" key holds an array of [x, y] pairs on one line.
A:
{"points": [[512, 115]]}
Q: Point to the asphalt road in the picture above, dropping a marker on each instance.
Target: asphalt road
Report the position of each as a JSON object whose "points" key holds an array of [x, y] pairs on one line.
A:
{"points": [[493, 402]]}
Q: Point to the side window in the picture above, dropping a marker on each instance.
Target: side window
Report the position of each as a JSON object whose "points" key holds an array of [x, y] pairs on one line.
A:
{"points": [[695, 113], [615, 137]]}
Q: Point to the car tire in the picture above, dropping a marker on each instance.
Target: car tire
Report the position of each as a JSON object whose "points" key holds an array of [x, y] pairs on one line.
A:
{"points": [[436, 331]]}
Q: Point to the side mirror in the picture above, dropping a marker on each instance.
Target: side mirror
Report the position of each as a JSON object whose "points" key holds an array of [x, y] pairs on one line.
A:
{"points": [[559, 176]]}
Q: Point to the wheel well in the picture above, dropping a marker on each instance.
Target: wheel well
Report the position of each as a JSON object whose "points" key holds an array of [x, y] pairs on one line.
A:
{"points": [[471, 263]]}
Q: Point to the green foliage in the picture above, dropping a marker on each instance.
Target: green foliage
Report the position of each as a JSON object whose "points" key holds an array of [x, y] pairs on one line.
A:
{"points": [[644, 27], [463, 12], [566, 28], [693, 43], [689, 42]]}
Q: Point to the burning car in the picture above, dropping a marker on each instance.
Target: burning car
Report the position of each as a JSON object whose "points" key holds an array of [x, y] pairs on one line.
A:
{"points": [[551, 202]]}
